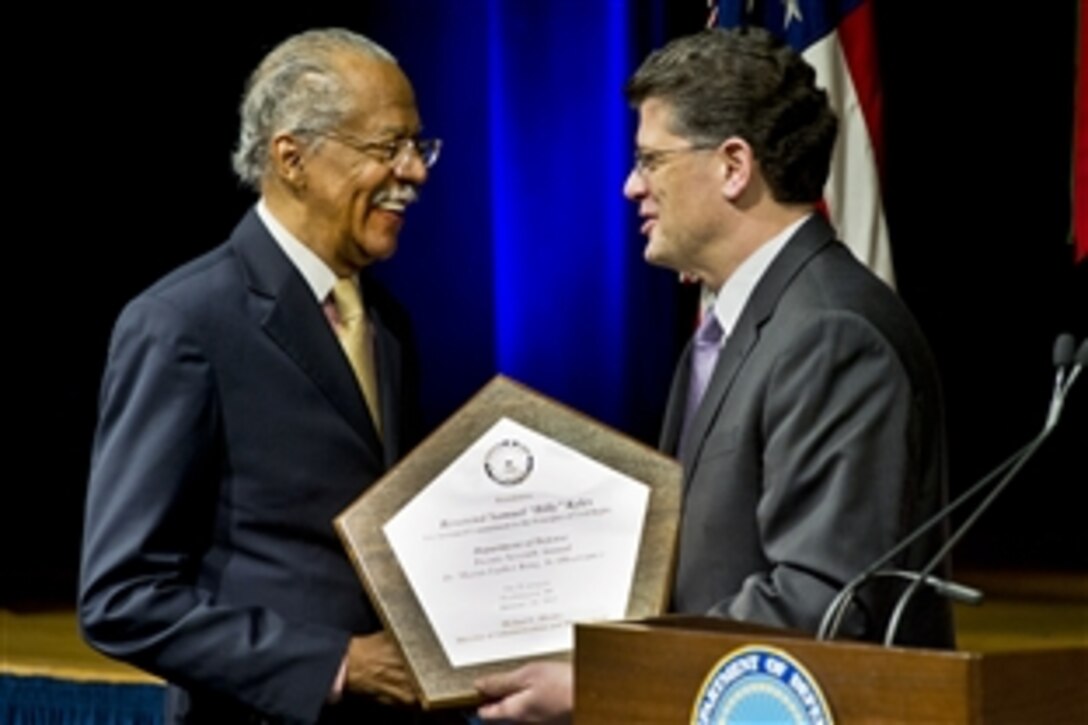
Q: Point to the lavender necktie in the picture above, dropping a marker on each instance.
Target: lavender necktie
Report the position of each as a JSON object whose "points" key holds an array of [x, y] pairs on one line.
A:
{"points": [[704, 355]]}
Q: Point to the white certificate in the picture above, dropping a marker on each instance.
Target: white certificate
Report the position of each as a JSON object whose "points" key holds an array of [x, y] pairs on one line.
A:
{"points": [[517, 539]]}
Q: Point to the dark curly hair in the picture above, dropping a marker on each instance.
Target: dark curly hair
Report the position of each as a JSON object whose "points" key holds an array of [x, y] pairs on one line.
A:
{"points": [[745, 82]]}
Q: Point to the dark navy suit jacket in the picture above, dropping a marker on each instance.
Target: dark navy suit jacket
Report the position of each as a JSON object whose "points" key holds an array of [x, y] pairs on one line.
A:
{"points": [[231, 433]]}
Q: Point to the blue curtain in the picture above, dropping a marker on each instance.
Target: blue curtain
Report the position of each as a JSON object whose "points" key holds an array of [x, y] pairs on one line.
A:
{"points": [[523, 257]]}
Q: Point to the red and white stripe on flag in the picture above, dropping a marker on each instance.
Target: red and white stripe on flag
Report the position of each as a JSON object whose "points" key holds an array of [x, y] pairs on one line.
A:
{"points": [[838, 38]]}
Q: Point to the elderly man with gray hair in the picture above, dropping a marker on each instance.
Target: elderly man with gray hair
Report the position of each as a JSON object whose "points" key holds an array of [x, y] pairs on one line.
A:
{"points": [[252, 394]]}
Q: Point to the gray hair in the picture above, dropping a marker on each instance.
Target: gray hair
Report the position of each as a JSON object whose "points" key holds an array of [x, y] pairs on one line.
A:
{"points": [[295, 89]]}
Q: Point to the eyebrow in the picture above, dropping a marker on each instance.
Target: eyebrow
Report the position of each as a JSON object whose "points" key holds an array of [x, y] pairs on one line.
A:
{"points": [[398, 132]]}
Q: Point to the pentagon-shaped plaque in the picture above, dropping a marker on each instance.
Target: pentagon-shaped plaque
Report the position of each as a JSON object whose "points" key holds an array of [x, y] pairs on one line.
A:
{"points": [[517, 518]]}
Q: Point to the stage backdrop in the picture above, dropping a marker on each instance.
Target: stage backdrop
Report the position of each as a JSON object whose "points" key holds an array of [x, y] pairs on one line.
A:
{"points": [[523, 257]]}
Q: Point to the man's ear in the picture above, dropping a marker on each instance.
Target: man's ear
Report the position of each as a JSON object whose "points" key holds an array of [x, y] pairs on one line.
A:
{"points": [[288, 160], [737, 164]]}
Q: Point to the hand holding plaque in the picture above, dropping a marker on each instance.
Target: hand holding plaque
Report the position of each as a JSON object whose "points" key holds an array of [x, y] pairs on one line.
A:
{"points": [[517, 518]]}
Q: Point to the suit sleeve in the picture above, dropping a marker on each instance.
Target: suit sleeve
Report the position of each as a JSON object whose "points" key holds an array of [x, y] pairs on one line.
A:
{"points": [[157, 466], [837, 431]]}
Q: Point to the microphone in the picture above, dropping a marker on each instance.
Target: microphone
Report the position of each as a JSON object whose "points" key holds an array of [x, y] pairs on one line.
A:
{"points": [[1082, 361], [840, 604], [1062, 354], [1063, 357]]}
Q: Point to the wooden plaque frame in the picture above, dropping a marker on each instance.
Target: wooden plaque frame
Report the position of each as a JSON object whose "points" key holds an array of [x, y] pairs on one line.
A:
{"points": [[359, 526]]}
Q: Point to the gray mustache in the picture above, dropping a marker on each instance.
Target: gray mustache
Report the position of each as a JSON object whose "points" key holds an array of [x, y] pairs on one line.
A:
{"points": [[400, 195]]}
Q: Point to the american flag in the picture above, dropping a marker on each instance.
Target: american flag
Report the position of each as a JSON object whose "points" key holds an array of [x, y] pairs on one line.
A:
{"points": [[838, 38]]}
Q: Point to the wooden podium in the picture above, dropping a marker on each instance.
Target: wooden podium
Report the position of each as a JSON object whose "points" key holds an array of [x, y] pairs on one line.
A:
{"points": [[652, 671]]}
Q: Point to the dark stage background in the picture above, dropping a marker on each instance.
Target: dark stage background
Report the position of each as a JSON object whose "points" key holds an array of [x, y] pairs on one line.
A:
{"points": [[523, 258]]}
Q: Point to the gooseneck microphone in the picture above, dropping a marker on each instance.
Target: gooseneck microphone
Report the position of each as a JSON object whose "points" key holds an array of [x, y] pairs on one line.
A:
{"points": [[840, 604], [1063, 358], [1063, 348], [1082, 361]]}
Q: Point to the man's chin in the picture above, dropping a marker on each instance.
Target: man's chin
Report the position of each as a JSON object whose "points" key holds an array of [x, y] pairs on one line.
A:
{"points": [[378, 250], [653, 254]]}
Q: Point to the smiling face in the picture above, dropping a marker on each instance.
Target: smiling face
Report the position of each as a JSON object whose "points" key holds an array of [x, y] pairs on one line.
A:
{"points": [[348, 198], [676, 187]]}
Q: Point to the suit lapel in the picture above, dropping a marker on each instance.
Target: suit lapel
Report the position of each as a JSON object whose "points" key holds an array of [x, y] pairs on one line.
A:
{"points": [[809, 239], [284, 306], [674, 408]]}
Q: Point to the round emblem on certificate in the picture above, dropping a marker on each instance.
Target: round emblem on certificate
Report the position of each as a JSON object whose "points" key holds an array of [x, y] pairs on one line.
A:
{"points": [[509, 462], [760, 684]]}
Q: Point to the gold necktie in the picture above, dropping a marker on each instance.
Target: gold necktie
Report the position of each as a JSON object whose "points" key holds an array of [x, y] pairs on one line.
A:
{"points": [[354, 338]]}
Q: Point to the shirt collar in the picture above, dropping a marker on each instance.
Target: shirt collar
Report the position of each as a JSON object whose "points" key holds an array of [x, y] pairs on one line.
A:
{"points": [[734, 294], [312, 268]]}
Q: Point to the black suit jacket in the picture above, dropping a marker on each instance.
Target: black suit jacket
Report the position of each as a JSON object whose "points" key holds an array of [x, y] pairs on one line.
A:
{"points": [[231, 433], [819, 444]]}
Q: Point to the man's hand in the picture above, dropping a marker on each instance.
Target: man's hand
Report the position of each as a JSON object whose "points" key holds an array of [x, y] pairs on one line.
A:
{"points": [[539, 692], [375, 668]]}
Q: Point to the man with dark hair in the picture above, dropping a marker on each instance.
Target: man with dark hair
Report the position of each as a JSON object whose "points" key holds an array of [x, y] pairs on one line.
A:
{"points": [[807, 410], [249, 397]]}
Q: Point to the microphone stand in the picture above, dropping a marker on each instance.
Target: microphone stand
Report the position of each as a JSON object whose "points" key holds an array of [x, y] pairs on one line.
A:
{"points": [[836, 610], [1054, 412], [839, 605], [905, 597]]}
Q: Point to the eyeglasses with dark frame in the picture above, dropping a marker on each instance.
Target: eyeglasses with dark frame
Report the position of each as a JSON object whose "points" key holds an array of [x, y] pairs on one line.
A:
{"points": [[394, 151], [648, 160]]}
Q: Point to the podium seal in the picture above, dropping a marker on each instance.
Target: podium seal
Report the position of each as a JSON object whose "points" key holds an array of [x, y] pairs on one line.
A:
{"points": [[760, 684]]}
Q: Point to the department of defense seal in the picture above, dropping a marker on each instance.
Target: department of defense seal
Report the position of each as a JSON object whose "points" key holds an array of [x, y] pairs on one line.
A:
{"points": [[509, 462], [760, 684]]}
